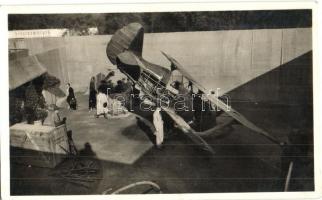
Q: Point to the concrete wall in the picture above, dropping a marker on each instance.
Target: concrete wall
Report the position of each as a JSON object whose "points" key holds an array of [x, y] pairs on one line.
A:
{"points": [[228, 59], [72, 59], [219, 59]]}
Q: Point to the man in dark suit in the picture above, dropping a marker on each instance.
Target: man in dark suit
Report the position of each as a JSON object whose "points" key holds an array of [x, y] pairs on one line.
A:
{"points": [[71, 99]]}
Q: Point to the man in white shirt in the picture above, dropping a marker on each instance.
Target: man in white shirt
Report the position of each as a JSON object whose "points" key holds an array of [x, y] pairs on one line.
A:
{"points": [[158, 124]]}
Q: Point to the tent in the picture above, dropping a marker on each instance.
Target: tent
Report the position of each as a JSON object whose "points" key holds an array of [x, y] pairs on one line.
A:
{"points": [[23, 70], [26, 69]]}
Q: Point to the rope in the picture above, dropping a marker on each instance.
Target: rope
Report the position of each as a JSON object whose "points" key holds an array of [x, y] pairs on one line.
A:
{"points": [[152, 184]]}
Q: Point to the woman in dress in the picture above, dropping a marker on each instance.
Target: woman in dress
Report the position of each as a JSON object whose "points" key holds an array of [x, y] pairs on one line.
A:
{"points": [[102, 102], [92, 95]]}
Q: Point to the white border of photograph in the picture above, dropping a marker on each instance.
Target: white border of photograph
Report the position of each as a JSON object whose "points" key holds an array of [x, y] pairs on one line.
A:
{"points": [[159, 7]]}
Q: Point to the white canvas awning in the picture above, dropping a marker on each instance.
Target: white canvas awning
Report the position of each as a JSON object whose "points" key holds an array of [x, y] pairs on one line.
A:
{"points": [[23, 70]]}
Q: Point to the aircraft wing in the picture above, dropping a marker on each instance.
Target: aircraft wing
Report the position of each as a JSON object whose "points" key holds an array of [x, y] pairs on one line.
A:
{"points": [[231, 112], [187, 130], [183, 71]]}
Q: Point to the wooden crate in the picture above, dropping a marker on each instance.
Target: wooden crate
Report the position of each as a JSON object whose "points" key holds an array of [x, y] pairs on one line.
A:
{"points": [[42, 146]]}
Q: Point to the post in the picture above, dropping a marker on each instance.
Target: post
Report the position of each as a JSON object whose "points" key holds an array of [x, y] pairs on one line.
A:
{"points": [[288, 177]]}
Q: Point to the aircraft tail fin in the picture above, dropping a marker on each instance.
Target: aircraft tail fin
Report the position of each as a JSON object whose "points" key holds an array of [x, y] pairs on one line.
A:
{"points": [[129, 37]]}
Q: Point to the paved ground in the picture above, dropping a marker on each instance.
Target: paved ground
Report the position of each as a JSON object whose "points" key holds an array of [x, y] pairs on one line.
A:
{"points": [[244, 161], [117, 140]]}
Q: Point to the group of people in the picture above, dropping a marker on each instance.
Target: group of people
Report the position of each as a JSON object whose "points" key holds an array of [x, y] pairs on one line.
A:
{"points": [[99, 98]]}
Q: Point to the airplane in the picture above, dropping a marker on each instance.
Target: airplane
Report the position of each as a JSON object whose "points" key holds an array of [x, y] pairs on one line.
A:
{"points": [[125, 51]]}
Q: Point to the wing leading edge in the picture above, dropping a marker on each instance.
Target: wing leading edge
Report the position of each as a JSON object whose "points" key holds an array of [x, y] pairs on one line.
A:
{"points": [[231, 112]]}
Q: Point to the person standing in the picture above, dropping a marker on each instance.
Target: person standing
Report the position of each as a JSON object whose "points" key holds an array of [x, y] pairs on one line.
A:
{"points": [[158, 124], [71, 99], [53, 118], [34, 104], [119, 88], [103, 87], [31, 103], [198, 109], [101, 106], [92, 94]]}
